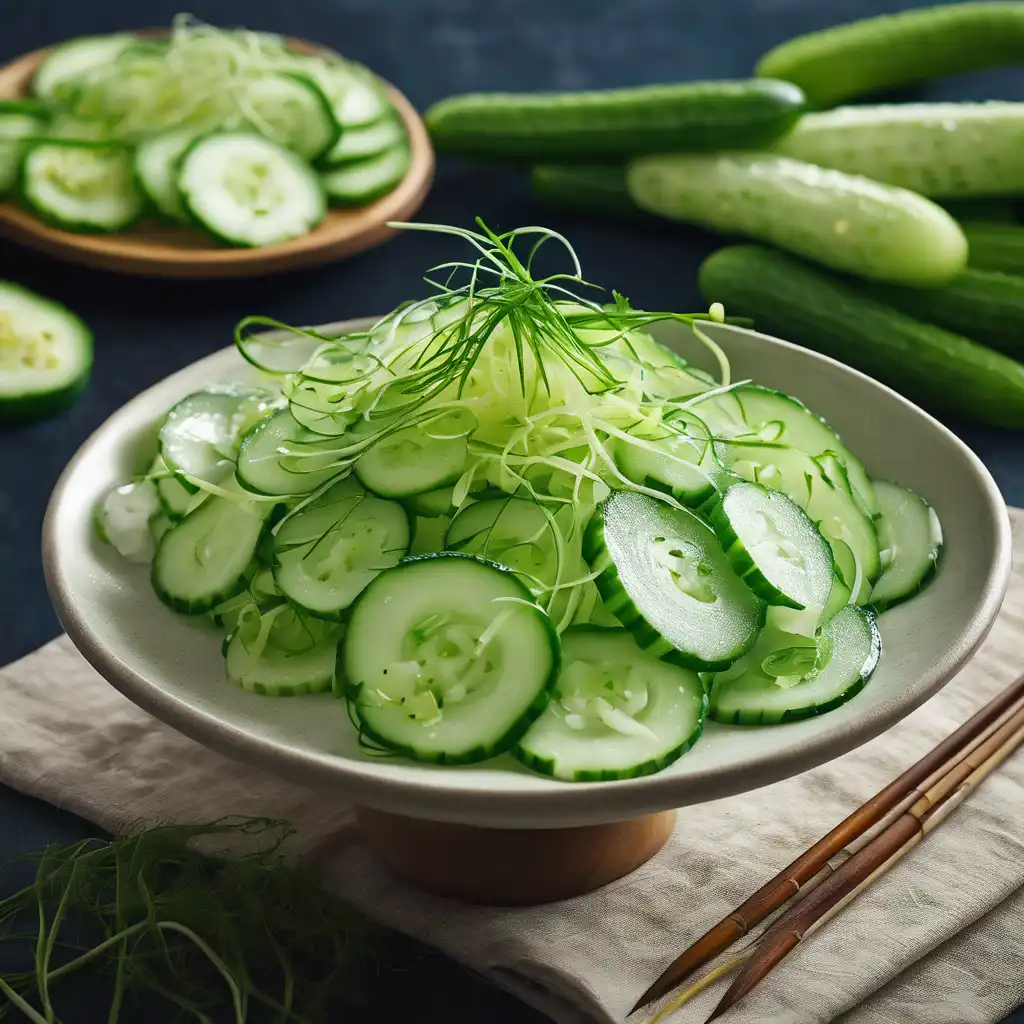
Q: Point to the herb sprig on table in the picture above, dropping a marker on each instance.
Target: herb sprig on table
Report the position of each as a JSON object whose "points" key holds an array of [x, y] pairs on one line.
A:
{"points": [[163, 917]]}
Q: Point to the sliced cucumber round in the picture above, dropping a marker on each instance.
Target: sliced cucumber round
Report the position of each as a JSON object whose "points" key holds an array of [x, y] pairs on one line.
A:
{"points": [[249, 191], [58, 77], [414, 460], [20, 123], [156, 170], [788, 677], [206, 557], [363, 100], [678, 463], [281, 653], [45, 354], [360, 142], [327, 552], [291, 110], [278, 456], [665, 577], [432, 504], [201, 433], [447, 659], [910, 539], [774, 547], [616, 713], [82, 187], [176, 500], [363, 181]]}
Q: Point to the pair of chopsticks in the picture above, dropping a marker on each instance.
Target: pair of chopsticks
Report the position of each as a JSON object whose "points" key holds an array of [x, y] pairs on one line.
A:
{"points": [[811, 890]]}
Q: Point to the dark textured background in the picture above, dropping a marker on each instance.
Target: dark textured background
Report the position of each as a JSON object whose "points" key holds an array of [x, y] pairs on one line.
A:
{"points": [[430, 49]]}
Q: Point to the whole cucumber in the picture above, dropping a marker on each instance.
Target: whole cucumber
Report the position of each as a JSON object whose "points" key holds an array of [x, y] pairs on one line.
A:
{"points": [[864, 56], [995, 246], [802, 304], [985, 305], [609, 126], [945, 150], [596, 189], [840, 220]]}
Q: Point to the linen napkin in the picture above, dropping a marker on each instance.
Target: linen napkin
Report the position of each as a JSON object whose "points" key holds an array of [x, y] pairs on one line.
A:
{"points": [[936, 941]]}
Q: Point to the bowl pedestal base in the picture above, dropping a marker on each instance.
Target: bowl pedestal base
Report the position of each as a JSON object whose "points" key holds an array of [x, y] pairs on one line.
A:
{"points": [[506, 867]]}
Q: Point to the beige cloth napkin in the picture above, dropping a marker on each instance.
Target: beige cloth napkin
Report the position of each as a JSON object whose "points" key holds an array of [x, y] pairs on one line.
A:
{"points": [[936, 941]]}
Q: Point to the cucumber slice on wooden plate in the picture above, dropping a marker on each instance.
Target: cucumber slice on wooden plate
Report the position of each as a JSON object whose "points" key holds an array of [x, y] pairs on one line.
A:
{"points": [[788, 677], [82, 186], [58, 77], [447, 659], [363, 181], [249, 191], [21, 121], [664, 575], [291, 110], [156, 169], [327, 551], [359, 142], [46, 354], [617, 712], [910, 539]]}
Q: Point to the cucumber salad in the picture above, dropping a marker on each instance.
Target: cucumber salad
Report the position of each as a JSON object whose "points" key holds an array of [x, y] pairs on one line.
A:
{"points": [[506, 519], [232, 131]]}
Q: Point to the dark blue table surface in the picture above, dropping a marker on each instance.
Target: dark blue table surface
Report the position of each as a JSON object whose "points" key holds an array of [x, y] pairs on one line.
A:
{"points": [[430, 49]]}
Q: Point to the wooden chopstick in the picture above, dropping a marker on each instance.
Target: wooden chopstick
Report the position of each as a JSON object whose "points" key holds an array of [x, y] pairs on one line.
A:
{"points": [[811, 867], [875, 858]]}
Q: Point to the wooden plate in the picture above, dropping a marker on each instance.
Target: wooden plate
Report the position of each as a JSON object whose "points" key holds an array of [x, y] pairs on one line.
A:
{"points": [[153, 249]]}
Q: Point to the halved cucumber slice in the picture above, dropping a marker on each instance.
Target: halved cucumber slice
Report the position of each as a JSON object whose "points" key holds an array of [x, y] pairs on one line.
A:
{"points": [[82, 187], [774, 547], [291, 110], [431, 504], [201, 433], [278, 456], [679, 463], [448, 660], [45, 354], [616, 713], [910, 539], [363, 181], [156, 170], [176, 500], [204, 559], [665, 577], [820, 486], [360, 142], [786, 677], [20, 122], [250, 191], [363, 100], [326, 553], [57, 78], [417, 459], [281, 653]]}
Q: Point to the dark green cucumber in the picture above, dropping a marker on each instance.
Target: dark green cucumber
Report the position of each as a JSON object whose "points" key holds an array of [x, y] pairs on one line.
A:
{"points": [[991, 210], [793, 300], [891, 50], [985, 305], [597, 189], [611, 125], [993, 246]]}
